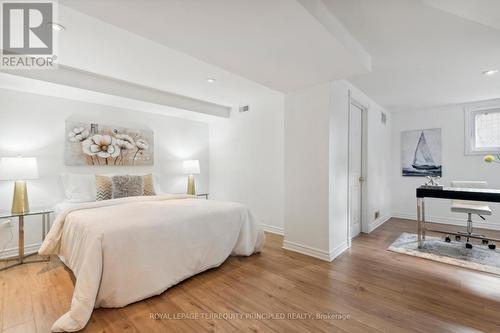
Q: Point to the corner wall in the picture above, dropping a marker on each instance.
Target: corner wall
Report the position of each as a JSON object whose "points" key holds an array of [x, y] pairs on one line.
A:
{"points": [[316, 168], [247, 159]]}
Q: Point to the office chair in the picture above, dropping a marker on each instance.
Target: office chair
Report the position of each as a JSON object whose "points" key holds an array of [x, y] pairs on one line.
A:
{"points": [[470, 207]]}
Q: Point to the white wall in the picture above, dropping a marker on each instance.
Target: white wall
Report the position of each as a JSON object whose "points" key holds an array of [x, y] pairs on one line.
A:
{"points": [[34, 126], [316, 168], [247, 159], [307, 121], [378, 171], [456, 165]]}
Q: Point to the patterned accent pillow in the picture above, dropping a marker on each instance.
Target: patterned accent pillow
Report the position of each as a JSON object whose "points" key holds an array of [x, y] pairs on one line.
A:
{"points": [[127, 186], [104, 187], [148, 185]]}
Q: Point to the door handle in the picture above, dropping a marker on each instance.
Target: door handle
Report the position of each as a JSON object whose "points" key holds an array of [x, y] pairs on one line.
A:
{"points": [[361, 179]]}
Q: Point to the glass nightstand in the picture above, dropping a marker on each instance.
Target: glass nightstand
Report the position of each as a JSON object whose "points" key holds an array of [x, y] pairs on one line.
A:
{"points": [[45, 214]]}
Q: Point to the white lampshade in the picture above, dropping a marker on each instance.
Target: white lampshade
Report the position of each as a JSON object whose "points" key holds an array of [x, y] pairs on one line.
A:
{"points": [[18, 168], [191, 167]]}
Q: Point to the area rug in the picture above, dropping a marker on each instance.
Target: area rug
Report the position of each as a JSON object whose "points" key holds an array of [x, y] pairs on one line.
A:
{"points": [[480, 257]]}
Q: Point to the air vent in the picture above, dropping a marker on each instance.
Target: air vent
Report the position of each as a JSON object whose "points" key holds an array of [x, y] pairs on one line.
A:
{"points": [[383, 118], [244, 108]]}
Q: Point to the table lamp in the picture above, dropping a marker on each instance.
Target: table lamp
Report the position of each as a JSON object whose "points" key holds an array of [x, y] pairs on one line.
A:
{"points": [[19, 169], [191, 168]]}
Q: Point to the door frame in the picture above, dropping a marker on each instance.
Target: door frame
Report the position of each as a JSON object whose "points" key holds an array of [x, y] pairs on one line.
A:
{"points": [[364, 141]]}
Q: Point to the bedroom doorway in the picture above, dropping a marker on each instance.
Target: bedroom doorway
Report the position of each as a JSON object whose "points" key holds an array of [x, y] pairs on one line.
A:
{"points": [[356, 166]]}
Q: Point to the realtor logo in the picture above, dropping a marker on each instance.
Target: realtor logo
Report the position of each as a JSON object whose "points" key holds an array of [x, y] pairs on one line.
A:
{"points": [[26, 28], [27, 34]]}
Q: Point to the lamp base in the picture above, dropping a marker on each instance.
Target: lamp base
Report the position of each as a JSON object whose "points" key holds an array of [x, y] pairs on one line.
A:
{"points": [[20, 202], [191, 190]]}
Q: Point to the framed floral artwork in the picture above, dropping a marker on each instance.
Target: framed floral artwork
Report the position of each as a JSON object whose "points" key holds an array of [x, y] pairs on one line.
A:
{"points": [[96, 144]]}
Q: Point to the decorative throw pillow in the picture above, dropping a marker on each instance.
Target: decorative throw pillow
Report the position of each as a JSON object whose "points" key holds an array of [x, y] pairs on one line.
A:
{"points": [[104, 187], [127, 186], [149, 188]]}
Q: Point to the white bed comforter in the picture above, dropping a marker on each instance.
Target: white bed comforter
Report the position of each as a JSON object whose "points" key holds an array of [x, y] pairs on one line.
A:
{"points": [[125, 250]]}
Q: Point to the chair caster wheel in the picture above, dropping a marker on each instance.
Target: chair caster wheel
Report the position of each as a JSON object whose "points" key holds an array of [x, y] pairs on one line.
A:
{"points": [[468, 245], [457, 238], [447, 239], [492, 246], [485, 241]]}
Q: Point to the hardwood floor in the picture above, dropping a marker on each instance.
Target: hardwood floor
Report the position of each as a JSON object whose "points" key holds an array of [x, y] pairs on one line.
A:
{"points": [[379, 290]]}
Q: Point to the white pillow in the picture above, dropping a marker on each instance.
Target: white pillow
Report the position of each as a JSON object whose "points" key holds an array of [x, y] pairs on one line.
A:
{"points": [[156, 184], [79, 187]]}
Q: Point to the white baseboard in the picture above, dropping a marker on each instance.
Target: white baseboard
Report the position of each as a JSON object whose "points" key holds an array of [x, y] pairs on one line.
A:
{"points": [[448, 220], [272, 229], [307, 250], [13, 252], [377, 223], [314, 252], [337, 251]]}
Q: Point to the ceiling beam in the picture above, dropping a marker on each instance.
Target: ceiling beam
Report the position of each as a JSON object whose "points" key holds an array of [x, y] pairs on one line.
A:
{"points": [[72, 77]]}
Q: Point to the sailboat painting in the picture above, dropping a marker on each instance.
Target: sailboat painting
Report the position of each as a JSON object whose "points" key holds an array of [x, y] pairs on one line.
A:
{"points": [[421, 153]]}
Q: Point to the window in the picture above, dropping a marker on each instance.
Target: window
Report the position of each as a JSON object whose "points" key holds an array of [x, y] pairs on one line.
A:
{"points": [[482, 131]]}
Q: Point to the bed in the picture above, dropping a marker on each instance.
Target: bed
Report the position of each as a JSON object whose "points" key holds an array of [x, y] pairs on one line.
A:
{"points": [[128, 249], [63, 205]]}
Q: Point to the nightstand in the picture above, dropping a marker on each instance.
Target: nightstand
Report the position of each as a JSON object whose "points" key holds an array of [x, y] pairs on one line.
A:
{"points": [[203, 195], [45, 214]]}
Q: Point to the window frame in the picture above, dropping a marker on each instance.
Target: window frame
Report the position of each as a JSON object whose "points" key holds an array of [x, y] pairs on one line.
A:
{"points": [[470, 129]]}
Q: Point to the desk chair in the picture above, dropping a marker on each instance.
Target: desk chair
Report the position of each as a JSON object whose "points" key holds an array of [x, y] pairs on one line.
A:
{"points": [[470, 207]]}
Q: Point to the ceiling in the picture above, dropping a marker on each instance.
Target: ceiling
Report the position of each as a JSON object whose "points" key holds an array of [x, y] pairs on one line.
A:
{"points": [[423, 56], [92, 46], [282, 44], [423, 53], [486, 12]]}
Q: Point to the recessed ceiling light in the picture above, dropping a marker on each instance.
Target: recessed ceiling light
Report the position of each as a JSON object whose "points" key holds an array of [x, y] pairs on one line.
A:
{"points": [[490, 72], [211, 80], [57, 26]]}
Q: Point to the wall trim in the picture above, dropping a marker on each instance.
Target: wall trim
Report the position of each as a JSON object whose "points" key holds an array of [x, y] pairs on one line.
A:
{"points": [[273, 229], [13, 252], [448, 220], [377, 223], [314, 252], [337, 251], [307, 250]]}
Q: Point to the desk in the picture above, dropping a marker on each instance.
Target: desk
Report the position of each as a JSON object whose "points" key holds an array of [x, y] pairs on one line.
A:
{"points": [[453, 193]]}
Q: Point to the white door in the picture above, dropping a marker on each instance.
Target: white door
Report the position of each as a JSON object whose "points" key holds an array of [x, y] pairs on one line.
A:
{"points": [[355, 168]]}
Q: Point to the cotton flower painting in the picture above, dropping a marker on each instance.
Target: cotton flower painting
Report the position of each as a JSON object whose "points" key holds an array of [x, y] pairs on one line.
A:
{"points": [[95, 144]]}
